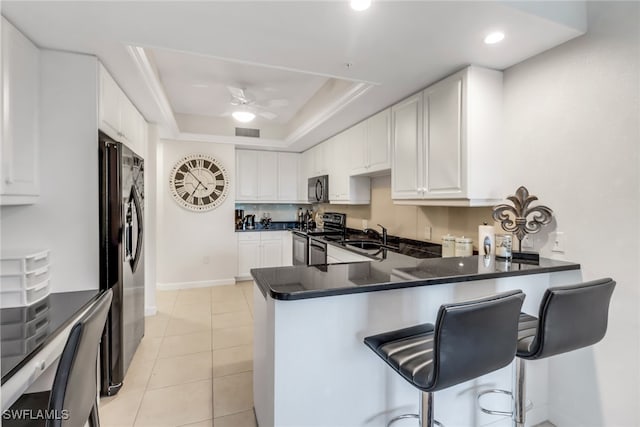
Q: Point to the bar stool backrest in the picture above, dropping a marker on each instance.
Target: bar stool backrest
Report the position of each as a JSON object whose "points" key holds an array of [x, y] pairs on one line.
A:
{"points": [[474, 338], [572, 317], [74, 387]]}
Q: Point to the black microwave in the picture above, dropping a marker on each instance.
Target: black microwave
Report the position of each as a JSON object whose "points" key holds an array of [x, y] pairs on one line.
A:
{"points": [[318, 189]]}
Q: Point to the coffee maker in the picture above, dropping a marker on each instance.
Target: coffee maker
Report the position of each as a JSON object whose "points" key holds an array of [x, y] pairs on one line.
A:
{"points": [[239, 218]]}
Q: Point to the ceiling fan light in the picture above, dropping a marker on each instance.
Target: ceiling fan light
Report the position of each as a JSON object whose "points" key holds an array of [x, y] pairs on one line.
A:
{"points": [[495, 37], [360, 5], [243, 116]]}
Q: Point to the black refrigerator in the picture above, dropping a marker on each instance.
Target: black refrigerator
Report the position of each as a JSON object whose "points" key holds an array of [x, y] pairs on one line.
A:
{"points": [[121, 258]]}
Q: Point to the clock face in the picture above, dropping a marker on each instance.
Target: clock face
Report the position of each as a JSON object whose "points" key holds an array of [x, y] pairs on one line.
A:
{"points": [[199, 183]]}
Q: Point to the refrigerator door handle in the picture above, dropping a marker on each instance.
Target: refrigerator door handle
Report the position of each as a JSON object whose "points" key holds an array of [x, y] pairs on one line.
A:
{"points": [[135, 201]]}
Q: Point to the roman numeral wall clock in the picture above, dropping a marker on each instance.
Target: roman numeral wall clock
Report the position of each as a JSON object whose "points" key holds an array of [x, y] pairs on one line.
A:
{"points": [[199, 182]]}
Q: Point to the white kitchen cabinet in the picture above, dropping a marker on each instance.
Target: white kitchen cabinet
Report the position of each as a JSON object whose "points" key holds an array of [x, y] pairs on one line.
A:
{"points": [[319, 159], [268, 177], [355, 141], [256, 175], [458, 144], [287, 248], [343, 188], [271, 251], [370, 145], [258, 249], [406, 124], [119, 118], [20, 113], [378, 145], [288, 170], [248, 252]]}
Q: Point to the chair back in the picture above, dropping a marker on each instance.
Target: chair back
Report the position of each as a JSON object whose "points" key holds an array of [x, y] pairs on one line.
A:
{"points": [[74, 387], [474, 338], [572, 317]]}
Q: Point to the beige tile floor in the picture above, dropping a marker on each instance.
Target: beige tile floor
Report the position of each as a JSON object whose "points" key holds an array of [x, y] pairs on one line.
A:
{"points": [[194, 366]]}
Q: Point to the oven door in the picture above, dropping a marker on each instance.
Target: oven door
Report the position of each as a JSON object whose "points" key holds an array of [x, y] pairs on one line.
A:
{"points": [[300, 249], [317, 252]]}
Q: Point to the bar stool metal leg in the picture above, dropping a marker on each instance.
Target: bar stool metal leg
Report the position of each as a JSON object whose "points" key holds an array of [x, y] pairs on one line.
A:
{"points": [[520, 397], [426, 412]]}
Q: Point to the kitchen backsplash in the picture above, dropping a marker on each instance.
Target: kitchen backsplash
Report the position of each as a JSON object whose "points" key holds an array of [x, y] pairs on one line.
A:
{"points": [[277, 212], [410, 221]]}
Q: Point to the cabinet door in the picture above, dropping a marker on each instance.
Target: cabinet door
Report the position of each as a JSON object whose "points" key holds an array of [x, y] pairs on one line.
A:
{"points": [[320, 166], [246, 175], [20, 99], [355, 139], [271, 253], [443, 138], [338, 151], [248, 257], [267, 175], [406, 123], [379, 141], [288, 176], [287, 248], [110, 104]]}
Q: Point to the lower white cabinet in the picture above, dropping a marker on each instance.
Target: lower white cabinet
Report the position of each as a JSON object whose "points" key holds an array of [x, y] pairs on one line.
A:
{"points": [[258, 249]]}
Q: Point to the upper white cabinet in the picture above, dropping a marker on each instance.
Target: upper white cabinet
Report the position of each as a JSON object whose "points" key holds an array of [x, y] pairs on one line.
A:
{"points": [[288, 176], [447, 140], [267, 176], [371, 145], [406, 123], [119, 118], [20, 112], [344, 188]]}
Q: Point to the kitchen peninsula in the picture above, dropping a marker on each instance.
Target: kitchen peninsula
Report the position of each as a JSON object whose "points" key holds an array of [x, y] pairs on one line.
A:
{"points": [[312, 368]]}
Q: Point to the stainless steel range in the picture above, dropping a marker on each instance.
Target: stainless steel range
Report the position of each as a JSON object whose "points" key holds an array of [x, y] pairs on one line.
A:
{"points": [[308, 250]]}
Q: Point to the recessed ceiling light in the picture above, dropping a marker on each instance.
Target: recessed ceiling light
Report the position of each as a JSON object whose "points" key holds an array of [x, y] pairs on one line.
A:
{"points": [[243, 116], [360, 4], [495, 37]]}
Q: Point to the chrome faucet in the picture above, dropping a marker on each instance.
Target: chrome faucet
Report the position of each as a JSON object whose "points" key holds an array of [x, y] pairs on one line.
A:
{"points": [[384, 233]]}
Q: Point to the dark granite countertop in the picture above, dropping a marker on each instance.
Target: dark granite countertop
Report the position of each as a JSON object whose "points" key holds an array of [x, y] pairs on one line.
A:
{"points": [[275, 226], [395, 272], [26, 330]]}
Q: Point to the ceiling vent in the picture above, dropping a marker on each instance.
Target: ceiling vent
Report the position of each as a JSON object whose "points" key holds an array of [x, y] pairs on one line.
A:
{"points": [[251, 133]]}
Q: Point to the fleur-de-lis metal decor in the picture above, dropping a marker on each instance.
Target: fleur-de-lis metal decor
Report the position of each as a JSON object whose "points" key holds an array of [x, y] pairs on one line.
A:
{"points": [[514, 218]]}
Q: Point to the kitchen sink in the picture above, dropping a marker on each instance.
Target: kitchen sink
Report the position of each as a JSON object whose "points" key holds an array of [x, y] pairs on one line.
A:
{"points": [[363, 244]]}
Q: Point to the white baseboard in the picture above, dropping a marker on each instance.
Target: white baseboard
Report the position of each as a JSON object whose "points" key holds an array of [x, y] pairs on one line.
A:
{"points": [[243, 278], [172, 286], [150, 311]]}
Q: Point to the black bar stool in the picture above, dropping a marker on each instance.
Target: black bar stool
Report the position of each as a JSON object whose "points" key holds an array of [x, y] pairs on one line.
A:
{"points": [[469, 339], [570, 318], [72, 400]]}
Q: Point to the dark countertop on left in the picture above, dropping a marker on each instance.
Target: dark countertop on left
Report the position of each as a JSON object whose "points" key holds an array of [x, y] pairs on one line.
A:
{"points": [[47, 318]]}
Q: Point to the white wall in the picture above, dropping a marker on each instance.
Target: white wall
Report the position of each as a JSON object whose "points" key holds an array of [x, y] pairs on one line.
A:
{"points": [[572, 119], [195, 248], [65, 219], [151, 222]]}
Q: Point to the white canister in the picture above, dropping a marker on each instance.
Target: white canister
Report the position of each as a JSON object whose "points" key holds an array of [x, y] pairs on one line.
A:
{"points": [[486, 240], [464, 246], [448, 246]]}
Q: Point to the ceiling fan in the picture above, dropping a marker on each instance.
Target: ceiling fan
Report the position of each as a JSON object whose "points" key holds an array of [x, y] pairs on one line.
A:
{"points": [[247, 107]]}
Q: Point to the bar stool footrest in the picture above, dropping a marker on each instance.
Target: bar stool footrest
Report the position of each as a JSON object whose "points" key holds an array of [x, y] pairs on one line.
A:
{"points": [[416, 416], [501, 413]]}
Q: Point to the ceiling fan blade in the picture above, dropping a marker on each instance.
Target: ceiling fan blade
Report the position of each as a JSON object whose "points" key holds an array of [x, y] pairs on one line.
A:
{"points": [[275, 103], [267, 115], [236, 92]]}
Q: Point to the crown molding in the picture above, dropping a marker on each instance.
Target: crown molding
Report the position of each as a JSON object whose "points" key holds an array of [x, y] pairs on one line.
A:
{"points": [[241, 141], [169, 128], [356, 90]]}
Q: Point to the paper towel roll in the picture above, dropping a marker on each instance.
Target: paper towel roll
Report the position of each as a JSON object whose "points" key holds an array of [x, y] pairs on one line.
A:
{"points": [[486, 240]]}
